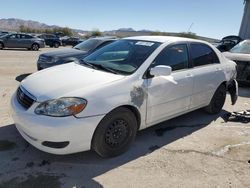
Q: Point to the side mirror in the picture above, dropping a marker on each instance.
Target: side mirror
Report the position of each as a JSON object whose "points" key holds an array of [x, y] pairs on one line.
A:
{"points": [[161, 70]]}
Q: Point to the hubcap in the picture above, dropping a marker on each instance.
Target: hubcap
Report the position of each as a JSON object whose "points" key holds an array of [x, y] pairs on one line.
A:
{"points": [[116, 133], [35, 47]]}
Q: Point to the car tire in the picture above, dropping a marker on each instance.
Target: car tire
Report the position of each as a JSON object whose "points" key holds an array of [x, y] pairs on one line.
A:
{"points": [[115, 133], [56, 45], [1, 46], [35, 47], [217, 102]]}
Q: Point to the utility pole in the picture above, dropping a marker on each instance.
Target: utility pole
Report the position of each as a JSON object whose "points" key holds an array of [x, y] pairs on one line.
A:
{"points": [[189, 29], [245, 23]]}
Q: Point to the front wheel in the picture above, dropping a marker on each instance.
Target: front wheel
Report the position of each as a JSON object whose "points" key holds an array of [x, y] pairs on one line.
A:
{"points": [[115, 133], [218, 100], [35, 47]]}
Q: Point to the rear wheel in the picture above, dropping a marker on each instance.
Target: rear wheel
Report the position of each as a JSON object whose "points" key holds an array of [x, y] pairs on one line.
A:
{"points": [[35, 47], [1, 46], [115, 133], [217, 101]]}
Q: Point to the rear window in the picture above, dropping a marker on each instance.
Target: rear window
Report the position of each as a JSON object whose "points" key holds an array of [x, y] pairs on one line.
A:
{"points": [[203, 55]]}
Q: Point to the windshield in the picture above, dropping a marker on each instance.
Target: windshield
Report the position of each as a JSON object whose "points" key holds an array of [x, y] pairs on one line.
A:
{"points": [[122, 56], [243, 48], [87, 45]]}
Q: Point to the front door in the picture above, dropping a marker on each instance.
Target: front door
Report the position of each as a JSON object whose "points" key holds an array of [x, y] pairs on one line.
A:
{"points": [[170, 95], [12, 41]]}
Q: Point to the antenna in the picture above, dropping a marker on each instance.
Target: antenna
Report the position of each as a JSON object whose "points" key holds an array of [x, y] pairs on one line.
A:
{"points": [[189, 29]]}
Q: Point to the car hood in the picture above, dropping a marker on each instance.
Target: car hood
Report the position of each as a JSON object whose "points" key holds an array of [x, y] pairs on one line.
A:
{"points": [[237, 56], [64, 53], [61, 80]]}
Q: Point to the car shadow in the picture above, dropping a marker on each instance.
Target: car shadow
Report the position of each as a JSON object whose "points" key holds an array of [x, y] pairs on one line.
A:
{"points": [[20, 77], [80, 169]]}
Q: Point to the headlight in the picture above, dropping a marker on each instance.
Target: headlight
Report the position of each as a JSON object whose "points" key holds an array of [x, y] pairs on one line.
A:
{"points": [[52, 60], [44, 59], [61, 107]]}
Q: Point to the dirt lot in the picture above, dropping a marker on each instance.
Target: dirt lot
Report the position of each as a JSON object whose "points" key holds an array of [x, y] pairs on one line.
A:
{"points": [[194, 150]]}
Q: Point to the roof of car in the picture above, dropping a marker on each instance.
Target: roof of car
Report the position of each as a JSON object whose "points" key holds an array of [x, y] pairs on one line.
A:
{"points": [[105, 38], [162, 39]]}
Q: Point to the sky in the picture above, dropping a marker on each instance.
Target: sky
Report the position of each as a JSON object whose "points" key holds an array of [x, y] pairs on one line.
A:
{"points": [[211, 18]]}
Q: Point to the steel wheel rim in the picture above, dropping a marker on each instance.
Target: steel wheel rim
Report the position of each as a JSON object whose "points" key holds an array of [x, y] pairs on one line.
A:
{"points": [[117, 133]]}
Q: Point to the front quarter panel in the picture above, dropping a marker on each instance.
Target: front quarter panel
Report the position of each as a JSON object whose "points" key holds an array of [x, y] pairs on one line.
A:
{"points": [[129, 91]]}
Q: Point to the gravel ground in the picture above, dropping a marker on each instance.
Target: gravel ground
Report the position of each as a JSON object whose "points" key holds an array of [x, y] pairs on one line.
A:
{"points": [[194, 150]]}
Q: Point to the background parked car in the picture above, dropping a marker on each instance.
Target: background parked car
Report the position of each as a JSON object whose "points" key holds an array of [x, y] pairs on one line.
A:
{"points": [[21, 41], [228, 43], [68, 55], [51, 40], [241, 55], [3, 33], [72, 41]]}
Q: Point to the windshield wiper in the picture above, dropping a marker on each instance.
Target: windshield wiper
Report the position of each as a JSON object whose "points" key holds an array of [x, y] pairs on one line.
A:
{"points": [[88, 64], [98, 66]]}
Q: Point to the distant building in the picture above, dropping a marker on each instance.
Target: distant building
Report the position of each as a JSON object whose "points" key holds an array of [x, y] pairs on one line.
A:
{"points": [[245, 24]]}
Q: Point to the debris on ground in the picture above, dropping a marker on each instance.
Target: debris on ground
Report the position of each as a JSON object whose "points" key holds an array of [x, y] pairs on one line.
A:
{"points": [[242, 116]]}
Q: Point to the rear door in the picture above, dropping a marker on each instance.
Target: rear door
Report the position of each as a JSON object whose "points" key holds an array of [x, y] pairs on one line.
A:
{"points": [[25, 41], [207, 73], [170, 95]]}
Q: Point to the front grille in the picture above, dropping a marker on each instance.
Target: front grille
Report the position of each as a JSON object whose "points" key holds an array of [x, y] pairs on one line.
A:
{"points": [[24, 98]]}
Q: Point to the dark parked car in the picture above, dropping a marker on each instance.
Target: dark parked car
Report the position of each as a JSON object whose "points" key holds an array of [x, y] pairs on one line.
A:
{"points": [[51, 40], [21, 41], [241, 55], [72, 41], [74, 54], [228, 42]]}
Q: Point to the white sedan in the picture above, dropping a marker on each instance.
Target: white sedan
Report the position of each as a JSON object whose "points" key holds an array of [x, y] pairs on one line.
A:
{"points": [[102, 101]]}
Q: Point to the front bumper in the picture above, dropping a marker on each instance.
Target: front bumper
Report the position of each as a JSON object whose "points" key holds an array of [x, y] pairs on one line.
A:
{"points": [[37, 129], [41, 66]]}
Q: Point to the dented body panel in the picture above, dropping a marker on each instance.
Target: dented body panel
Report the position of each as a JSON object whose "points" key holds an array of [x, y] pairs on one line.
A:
{"points": [[155, 98]]}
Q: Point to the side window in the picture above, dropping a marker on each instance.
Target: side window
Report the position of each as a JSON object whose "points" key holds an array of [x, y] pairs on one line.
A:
{"points": [[203, 55], [26, 36], [175, 56], [103, 44], [12, 36]]}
